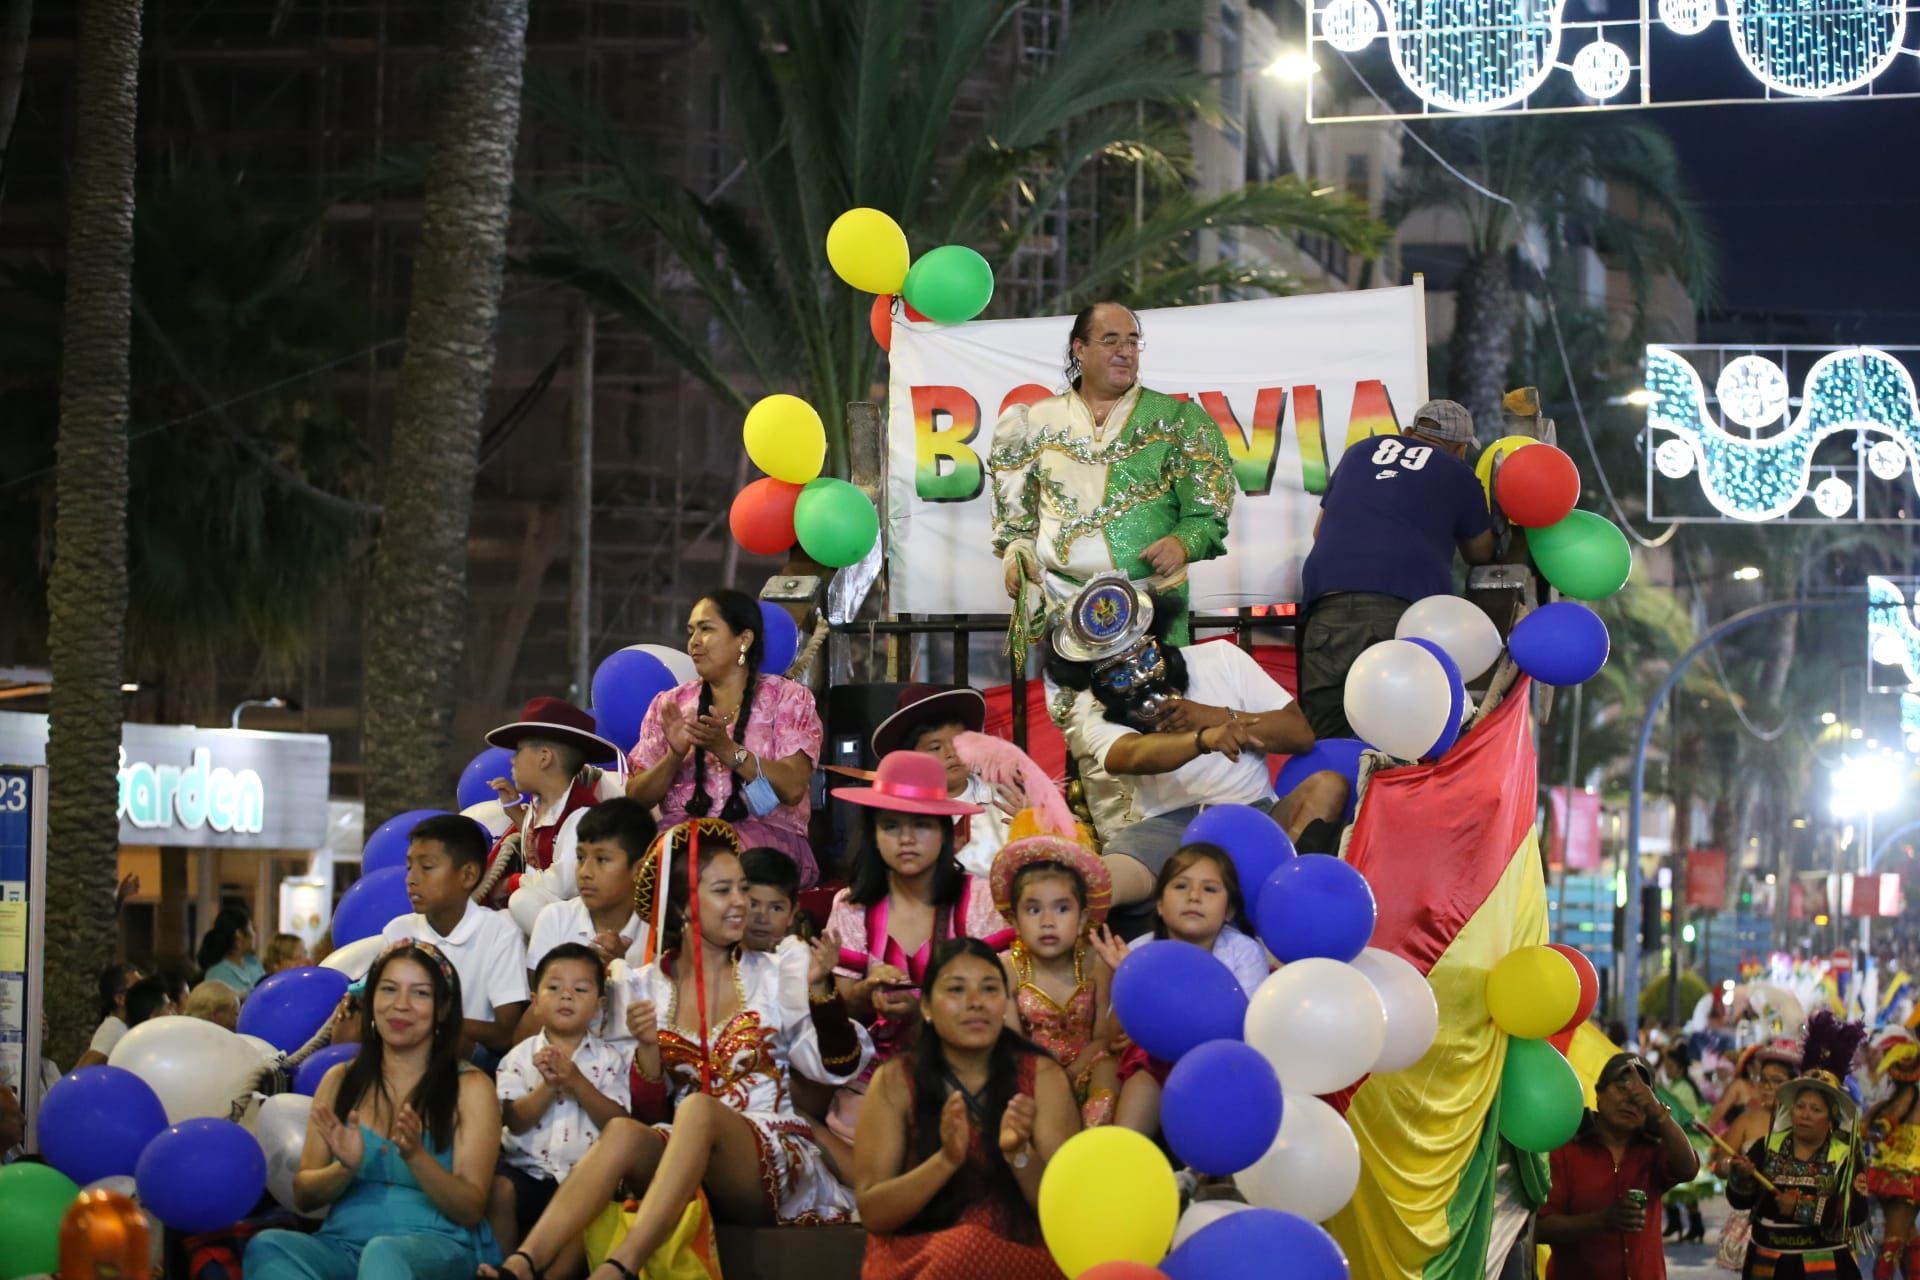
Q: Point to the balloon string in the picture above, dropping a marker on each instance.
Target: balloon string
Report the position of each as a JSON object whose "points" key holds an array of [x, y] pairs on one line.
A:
{"points": [[699, 950]]}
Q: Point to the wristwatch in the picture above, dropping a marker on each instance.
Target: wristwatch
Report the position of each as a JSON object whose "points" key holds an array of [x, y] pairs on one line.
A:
{"points": [[740, 757]]}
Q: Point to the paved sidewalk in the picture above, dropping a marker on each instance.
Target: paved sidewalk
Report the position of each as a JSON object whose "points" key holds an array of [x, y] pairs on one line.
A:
{"points": [[1695, 1261]]}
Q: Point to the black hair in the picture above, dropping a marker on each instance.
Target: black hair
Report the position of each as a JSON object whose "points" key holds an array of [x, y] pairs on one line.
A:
{"points": [[933, 1081], [1082, 331], [145, 999], [113, 983], [621, 821], [1185, 856], [1037, 870], [920, 731], [772, 869], [464, 839], [573, 951], [674, 923], [218, 941], [436, 1098], [741, 613], [571, 757], [867, 882]]}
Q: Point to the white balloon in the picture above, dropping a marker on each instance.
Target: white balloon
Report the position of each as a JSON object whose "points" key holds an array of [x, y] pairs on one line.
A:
{"points": [[1320, 1023], [674, 660], [281, 1129], [490, 815], [1311, 1169], [1398, 698], [1203, 1213], [196, 1067], [1413, 1015], [1457, 625], [266, 1050], [355, 958]]}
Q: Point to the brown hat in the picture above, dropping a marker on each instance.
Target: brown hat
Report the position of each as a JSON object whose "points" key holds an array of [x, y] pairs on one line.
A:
{"points": [[556, 720], [921, 705]]}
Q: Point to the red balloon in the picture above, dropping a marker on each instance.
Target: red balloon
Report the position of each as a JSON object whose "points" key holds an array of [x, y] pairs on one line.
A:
{"points": [[1563, 1040], [1123, 1269], [911, 313], [762, 517], [1537, 486], [880, 320], [1589, 980]]}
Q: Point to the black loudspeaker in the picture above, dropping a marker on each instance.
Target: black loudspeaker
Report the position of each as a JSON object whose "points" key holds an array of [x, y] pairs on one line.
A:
{"points": [[853, 712]]}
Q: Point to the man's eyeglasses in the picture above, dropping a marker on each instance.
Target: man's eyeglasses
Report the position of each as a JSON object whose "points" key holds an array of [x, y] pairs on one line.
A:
{"points": [[1114, 342]]}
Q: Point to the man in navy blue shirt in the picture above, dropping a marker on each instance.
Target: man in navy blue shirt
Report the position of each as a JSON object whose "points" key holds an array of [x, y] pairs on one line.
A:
{"points": [[1396, 508]]}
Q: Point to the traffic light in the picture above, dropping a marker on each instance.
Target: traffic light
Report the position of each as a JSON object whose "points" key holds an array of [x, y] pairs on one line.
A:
{"points": [[1652, 919]]}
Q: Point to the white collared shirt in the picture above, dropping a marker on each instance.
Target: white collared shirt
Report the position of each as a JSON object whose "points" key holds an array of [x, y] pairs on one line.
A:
{"points": [[485, 949], [988, 829], [570, 921], [562, 1135]]}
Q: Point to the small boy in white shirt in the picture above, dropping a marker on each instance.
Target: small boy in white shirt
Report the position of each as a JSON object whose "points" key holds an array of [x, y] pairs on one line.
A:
{"points": [[557, 1089], [613, 840], [445, 859]]}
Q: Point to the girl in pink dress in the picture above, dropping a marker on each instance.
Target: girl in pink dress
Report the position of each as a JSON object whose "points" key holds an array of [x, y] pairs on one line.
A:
{"points": [[908, 894], [1055, 893]]}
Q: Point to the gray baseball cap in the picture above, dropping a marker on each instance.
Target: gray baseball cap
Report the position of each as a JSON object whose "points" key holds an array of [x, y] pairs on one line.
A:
{"points": [[1444, 420]]}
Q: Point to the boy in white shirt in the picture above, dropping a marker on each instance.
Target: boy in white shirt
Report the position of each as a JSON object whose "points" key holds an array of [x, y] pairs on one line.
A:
{"points": [[557, 1089], [445, 859], [613, 840]]}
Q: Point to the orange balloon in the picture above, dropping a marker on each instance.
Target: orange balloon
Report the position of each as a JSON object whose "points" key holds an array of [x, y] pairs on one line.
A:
{"points": [[104, 1234], [762, 517], [880, 320]]}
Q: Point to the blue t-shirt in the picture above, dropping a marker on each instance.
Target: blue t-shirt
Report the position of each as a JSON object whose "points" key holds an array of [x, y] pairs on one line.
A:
{"points": [[1390, 519]]}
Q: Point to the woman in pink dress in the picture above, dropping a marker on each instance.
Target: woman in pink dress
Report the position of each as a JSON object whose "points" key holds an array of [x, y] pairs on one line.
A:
{"points": [[735, 743]]}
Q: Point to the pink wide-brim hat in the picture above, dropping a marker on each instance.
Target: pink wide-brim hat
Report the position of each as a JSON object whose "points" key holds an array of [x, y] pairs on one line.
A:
{"points": [[909, 782]]}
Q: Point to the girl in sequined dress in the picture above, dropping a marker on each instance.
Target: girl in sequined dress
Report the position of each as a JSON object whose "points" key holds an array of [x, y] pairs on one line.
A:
{"points": [[721, 1072], [1055, 893]]}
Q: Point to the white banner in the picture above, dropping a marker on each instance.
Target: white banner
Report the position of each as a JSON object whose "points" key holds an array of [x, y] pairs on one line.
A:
{"points": [[1290, 381]]}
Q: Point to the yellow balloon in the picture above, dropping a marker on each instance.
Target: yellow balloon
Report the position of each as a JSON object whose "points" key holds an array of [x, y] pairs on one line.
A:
{"points": [[786, 439], [1498, 449], [1533, 992], [868, 250], [1108, 1194]]}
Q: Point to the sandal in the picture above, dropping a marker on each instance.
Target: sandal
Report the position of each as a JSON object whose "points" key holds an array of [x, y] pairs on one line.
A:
{"points": [[501, 1273], [626, 1272]]}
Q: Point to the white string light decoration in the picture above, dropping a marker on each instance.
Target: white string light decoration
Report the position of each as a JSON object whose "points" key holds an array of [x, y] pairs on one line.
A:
{"points": [[1816, 48]]}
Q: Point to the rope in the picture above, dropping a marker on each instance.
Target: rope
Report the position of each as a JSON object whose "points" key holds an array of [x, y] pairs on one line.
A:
{"points": [[509, 854], [802, 660]]}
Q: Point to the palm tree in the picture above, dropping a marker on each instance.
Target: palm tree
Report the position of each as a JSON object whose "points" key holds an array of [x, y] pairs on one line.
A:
{"points": [[868, 103], [416, 604], [1563, 179], [87, 596]]}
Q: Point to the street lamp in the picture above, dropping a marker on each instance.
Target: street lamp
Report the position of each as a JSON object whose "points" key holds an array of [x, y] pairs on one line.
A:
{"points": [[1295, 64], [1864, 785], [274, 703]]}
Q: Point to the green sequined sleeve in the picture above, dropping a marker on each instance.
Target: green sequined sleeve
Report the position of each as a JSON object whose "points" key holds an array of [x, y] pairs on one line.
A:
{"points": [[1200, 475], [1016, 500]]}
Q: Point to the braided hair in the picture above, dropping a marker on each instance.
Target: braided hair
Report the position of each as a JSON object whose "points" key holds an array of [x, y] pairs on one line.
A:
{"points": [[742, 615]]}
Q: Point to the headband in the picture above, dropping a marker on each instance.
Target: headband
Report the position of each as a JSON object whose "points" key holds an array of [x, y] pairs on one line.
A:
{"points": [[426, 949]]}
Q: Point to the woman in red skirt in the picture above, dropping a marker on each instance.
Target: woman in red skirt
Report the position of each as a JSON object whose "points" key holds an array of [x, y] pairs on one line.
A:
{"points": [[954, 1136]]}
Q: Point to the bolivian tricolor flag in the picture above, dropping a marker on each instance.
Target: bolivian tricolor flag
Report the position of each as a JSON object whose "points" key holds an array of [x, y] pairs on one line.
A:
{"points": [[1451, 852]]}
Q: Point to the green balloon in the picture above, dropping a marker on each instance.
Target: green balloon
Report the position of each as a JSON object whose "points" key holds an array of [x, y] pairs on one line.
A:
{"points": [[1540, 1103], [836, 523], [33, 1198], [1585, 556], [951, 284]]}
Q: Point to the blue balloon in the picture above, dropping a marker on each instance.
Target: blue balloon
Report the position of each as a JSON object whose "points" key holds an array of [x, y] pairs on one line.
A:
{"points": [[1315, 906], [1171, 995], [624, 686], [1563, 643], [369, 904], [387, 846], [1337, 755], [1221, 1106], [1247, 1244], [201, 1175], [1457, 708], [307, 1079], [781, 637], [1251, 837], [288, 1007], [95, 1122], [476, 780]]}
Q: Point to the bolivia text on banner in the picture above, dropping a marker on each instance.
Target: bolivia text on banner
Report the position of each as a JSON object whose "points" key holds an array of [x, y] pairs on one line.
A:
{"points": [[1454, 862], [1290, 380]]}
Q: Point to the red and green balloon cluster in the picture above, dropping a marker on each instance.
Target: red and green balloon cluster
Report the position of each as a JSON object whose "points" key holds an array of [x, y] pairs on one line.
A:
{"points": [[948, 285], [834, 522], [1539, 996]]}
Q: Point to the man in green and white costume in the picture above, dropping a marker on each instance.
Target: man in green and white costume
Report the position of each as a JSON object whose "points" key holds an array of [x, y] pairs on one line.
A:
{"points": [[1106, 476]]}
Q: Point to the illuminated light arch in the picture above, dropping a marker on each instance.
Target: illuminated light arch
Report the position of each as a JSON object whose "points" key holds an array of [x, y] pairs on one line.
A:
{"points": [[1860, 388], [1890, 625], [1816, 48], [1474, 55]]}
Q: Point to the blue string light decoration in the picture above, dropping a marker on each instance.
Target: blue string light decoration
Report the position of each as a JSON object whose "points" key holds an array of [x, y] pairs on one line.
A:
{"points": [[1474, 55], [1764, 478], [1816, 48], [1892, 638]]}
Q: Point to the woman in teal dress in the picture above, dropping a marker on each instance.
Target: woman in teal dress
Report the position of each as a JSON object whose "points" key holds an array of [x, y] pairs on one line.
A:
{"points": [[401, 1144], [227, 952]]}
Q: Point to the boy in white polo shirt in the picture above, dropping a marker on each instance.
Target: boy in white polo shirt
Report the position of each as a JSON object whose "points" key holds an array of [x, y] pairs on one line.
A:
{"points": [[557, 1090], [613, 838], [445, 859]]}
